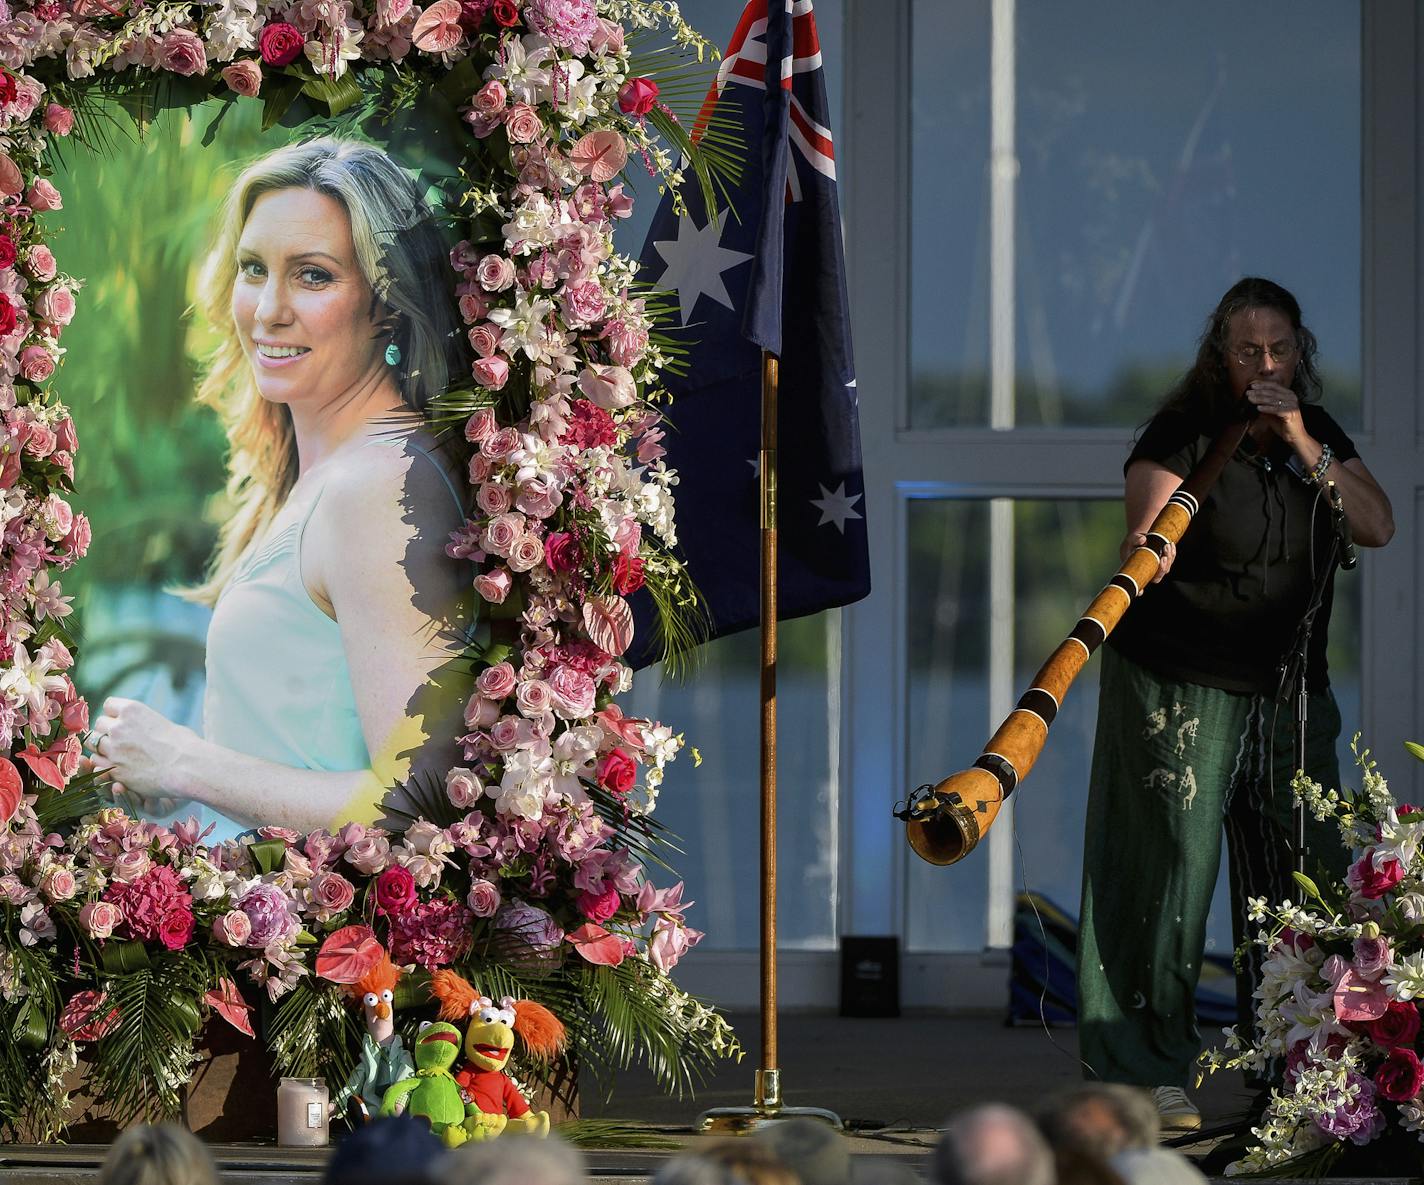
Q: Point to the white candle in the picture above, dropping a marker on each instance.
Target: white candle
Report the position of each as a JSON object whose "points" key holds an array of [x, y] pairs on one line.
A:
{"points": [[301, 1113]]}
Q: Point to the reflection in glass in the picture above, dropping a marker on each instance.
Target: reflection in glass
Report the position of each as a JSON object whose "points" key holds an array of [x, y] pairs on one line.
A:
{"points": [[1064, 551], [1156, 164]]}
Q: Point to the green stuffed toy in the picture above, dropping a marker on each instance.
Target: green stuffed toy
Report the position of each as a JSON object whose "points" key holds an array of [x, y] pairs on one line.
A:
{"points": [[433, 1093]]}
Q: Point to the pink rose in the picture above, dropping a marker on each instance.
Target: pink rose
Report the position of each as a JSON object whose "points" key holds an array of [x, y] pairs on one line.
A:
{"points": [[28, 92], [497, 682], [637, 96], [245, 77], [607, 38], [129, 865], [233, 928], [494, 585], [42, 441], [538, 499], [500, 444], [533, 699], [462, 788], [585, 303], [395, 890], [36, 364], [12, 182], [369, 854], [501, 533], [175, 928], [491, 373], [473, 305], [481, 426], [561, 552], [280, 44], [100, 918], [1366, 879], [58, 883], [480, 711], [480, 468], [331, 893], [43, 195], [75, 716], [1372, 956], [494, 498], [608, 387], [437, 29], [490, 98], [522, 124], [58, 120], [1401, 1076], [40, 263], [507, 731], [495, 273], [484, 898], [56, 305], [484, 338], [182, 51], [599, 907], [573, 693], [77, 542], [527, 551]]}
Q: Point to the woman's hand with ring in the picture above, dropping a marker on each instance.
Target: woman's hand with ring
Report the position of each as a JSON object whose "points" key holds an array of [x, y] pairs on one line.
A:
{"points": [[139, 748], [1279, 408]]}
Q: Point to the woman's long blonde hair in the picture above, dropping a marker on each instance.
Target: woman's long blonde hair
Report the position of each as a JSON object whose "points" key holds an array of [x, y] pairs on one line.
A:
{"points": [[161, 1155], [402, 256]]}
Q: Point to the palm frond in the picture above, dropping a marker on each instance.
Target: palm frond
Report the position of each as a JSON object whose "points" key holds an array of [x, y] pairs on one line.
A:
{"points": [[314, 1032], [612, 1133]]}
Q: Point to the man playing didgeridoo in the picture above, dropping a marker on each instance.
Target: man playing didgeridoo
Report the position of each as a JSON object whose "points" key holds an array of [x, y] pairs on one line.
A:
{"points": [[1190, 731]]}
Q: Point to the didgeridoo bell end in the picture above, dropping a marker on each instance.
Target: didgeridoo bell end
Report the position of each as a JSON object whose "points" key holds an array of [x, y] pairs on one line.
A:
{"points": [[945, 825]]}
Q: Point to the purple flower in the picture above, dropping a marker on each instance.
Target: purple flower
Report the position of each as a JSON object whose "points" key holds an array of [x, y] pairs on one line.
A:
{"points": [[1358, 1121], [569, 24], [270, 913], [533, 927]]}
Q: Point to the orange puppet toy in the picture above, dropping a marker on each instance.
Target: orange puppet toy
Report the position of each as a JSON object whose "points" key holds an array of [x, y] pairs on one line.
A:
{"points": [[384, 1060], [493, 1103]]}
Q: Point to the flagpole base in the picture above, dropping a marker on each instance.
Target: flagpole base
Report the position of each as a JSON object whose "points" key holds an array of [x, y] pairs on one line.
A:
{"points": [[765, 1112]]}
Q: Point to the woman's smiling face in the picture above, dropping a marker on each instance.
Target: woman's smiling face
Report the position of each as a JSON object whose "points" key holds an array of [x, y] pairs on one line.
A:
{"points": [[301, 305]]}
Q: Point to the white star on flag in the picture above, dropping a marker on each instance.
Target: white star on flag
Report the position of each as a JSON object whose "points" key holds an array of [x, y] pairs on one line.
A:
{"points": [[835, 507], [696, 261]]}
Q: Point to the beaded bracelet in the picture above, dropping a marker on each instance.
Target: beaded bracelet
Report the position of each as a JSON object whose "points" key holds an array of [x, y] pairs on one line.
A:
{"points": [[1317, 474]]}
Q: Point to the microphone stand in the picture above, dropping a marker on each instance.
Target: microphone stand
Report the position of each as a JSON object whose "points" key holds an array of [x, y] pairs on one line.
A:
{"points": [[1293, 683]]}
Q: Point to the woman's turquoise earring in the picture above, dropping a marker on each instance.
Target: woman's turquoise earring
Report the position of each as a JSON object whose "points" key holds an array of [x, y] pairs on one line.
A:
{"points": [[393, 355]]}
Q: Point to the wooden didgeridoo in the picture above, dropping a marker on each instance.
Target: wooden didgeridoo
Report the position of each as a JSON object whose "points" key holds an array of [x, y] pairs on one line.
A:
{"points": [[946, 822]]}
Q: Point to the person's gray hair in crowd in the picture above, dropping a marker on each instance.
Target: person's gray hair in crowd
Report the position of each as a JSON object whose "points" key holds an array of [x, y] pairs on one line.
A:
{"points": [[1156, 1166], [992, 1145], [1101, 1119], [729, 1162], [162, 1154], [819, 1155], [512, 1160]]}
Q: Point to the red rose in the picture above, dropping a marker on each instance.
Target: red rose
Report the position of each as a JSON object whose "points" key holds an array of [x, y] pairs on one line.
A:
{"points": [[561, 551], [7, 315], [8, 254], [1401, 1076], [1397, 1027], [505, 13], [8, 89], [1367, 880], [617, 772], [627, 574], [637, 96], [280, 44], [175, 928], [395, 890], [599, 907]]}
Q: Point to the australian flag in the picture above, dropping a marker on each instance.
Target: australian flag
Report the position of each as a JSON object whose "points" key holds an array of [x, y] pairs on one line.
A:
{"points": [[765, 271]]}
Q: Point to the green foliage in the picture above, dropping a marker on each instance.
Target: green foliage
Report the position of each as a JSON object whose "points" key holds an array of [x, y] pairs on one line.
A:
{"points": [[315, 1033]]}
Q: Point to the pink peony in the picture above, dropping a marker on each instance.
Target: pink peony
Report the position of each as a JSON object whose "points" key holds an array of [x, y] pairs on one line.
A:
{"points": [[569, 24], [244, 78], [537, 498], [182, 51], [270, 913], [573, 694]]}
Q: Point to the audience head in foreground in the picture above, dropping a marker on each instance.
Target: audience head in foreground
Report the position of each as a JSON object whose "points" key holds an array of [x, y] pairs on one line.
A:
{"points": [[512, 1160], [162, 1154], [992, 1145], [1101, 1118], [397, 1150], [730, 1162]]}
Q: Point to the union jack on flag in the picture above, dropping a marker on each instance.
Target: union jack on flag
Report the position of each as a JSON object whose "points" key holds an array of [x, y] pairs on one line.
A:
{"points": [[765, 272]]}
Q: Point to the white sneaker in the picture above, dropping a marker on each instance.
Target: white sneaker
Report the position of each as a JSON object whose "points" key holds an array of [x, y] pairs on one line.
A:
{"points": [[1177, 1112]]}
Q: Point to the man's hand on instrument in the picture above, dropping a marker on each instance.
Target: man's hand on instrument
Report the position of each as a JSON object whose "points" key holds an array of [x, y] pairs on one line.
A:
{"points": [[1136, 539]]}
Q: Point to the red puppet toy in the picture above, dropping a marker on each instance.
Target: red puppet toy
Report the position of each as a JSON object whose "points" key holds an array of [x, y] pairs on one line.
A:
{"points": [[493, 1103]]}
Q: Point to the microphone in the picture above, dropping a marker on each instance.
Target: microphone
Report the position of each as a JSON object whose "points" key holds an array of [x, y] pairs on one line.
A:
{"points": [[1348, 558]]}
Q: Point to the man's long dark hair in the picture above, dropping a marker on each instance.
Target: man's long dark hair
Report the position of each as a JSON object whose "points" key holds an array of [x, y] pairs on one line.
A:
{"points": [[1204, 392]]}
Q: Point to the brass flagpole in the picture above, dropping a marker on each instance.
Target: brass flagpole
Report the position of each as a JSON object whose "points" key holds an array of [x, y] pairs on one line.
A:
{"points": [[767, 1106]]}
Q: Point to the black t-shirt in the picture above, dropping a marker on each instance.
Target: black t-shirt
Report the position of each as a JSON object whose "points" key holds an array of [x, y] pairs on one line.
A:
{"points": [[1227, 612]]}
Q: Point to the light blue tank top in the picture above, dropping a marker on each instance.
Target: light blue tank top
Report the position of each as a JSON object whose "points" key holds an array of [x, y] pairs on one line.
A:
{"points": [[278, 686]]}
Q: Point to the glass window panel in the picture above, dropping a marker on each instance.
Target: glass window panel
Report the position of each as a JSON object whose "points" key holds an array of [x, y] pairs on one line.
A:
{"points": [[1064, 551], [715, 808], [1158, 163]]}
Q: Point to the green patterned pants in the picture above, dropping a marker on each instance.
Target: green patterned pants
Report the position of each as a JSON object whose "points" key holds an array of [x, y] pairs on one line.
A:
{"points": [[1174, 763]]}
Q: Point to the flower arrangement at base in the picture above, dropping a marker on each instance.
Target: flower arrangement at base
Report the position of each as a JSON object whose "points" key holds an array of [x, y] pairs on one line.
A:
{"points": [[526, 871], [1337, 1008]]}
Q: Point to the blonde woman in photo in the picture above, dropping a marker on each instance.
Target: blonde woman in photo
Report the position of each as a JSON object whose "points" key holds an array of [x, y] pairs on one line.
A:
{"points": [[335, 606]]}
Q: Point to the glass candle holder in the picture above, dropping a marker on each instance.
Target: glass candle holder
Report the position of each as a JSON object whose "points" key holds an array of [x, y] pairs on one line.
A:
{"points": [[301, 1113]]}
